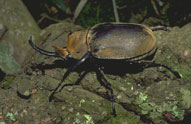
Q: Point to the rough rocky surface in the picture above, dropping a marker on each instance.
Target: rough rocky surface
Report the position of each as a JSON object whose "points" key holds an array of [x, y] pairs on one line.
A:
{"points": [[16, 25], [142, 95]]}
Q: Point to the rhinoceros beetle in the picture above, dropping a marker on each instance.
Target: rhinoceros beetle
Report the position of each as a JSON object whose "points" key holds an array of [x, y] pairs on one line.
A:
{"points": [[108, 41]]}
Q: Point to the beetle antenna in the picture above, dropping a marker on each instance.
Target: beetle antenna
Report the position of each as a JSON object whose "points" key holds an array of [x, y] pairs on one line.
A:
{"points": [[165, 66], [41, 50], [86, 56]]}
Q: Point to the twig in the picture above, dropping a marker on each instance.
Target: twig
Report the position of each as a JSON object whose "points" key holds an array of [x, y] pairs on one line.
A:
{"points": [[78, 9], [45, 16], [155, 7], [115, 11]]}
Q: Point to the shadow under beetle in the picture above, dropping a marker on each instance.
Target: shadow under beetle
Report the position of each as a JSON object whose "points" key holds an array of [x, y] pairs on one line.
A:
{"points": [[108, 41]]}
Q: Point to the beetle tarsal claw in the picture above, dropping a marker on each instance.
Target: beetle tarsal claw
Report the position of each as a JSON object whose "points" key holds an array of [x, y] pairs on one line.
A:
{"points": [[61, 51]]}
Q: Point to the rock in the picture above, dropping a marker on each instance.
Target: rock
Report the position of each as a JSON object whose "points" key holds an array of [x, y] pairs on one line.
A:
{"points": [[16, 25], [142, 95]]}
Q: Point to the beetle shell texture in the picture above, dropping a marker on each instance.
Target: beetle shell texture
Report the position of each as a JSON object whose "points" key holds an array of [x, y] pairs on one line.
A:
{"points": [[129, 41], [121, 41]]}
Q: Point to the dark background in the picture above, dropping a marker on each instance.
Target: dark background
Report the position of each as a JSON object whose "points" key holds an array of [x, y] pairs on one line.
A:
{"points": [[149, 12]]}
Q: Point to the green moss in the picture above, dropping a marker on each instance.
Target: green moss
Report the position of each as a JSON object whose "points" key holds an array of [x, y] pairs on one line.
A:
{"points": [[81, 102], [140, 99], [174, 109], [82, 119], [185, 98], [7, 63], [10, 116], [184, 71], [145, 108], [155, 111], [88, 119], [6, 84], [125, 119]]}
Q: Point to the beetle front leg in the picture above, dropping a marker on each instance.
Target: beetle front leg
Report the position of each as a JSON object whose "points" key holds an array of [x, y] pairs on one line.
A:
{"points": [[86, 56], [108, 86]]}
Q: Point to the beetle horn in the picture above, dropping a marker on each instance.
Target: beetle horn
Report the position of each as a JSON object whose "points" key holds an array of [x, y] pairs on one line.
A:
{"points": [[41, 50]]}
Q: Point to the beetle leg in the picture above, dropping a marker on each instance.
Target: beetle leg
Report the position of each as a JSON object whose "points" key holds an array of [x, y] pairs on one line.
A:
{"points": [[41, 50], [108, 86], [87, 55], [167, 67], [160, 28]]}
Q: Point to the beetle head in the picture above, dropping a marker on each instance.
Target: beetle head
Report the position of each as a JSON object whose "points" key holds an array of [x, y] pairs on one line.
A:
{"points": [[76, 44]]}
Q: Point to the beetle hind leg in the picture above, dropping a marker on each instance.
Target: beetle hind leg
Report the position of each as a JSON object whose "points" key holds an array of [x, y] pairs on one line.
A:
{"points": [[167, 67], [160, 28]]}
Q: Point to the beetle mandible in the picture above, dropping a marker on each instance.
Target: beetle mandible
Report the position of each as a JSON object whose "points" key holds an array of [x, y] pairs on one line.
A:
{"points": [[108, 41]]}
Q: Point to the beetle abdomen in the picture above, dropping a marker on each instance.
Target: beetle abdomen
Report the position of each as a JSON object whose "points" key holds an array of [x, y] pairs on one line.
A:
{"points": [[121, 41]]}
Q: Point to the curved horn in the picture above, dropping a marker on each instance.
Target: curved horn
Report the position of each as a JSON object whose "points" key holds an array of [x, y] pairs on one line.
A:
{"points": [[41, 50]]}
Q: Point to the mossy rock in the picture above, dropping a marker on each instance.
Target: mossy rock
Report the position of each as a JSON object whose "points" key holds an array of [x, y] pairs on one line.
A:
{"points": [[142, 95]]}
